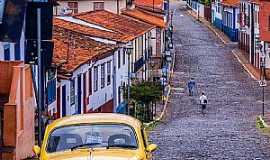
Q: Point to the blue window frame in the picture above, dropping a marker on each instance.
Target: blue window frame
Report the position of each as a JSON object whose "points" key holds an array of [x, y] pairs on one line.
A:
{"points": [[51, 91], [72, 91], [7, 52], [17, 51]]}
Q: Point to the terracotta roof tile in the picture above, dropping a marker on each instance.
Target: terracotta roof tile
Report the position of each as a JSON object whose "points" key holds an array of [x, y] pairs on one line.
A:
{"points": [[231, 3], [71, 50], [119, 23], [115, 36], [150, 4], [143, 16]]}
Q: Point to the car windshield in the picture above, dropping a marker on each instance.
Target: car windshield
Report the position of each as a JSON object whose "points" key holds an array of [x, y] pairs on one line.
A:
{"points": [[91, 136]]}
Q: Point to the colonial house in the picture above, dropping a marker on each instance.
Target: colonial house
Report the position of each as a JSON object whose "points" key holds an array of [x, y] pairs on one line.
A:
{"points": [[84, 73], [217, 14], [230, 18], [140, 31], [78, 6], [158, 9], [196, 7], [264, 32], [249, 32], [113, 29], [157, 36]]}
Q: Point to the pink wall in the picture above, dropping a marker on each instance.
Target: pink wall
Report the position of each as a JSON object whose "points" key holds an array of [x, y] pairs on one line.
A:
{"points": [[19, 111]]}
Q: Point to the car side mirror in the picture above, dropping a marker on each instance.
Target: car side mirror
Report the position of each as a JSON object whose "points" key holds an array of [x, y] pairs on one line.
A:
{"points": [[36, 150], [151, 148]]}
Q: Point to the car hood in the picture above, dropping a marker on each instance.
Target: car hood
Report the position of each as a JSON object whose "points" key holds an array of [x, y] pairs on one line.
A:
{"points": [[111, 154]]}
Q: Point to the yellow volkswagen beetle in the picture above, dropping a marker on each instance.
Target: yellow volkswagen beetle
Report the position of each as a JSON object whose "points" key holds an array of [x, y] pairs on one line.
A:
{"points": [[98, 136]]}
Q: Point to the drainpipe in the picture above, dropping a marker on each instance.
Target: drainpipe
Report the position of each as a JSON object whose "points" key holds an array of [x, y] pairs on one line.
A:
{"points": [[252, 34], [234, 27], [118, 12], [114, 83]]}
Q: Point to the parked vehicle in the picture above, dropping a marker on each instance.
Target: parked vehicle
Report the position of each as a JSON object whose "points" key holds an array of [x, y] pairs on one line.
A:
{"points": [[99, 136]]}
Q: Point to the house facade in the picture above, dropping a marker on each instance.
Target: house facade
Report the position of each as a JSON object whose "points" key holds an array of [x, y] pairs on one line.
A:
{"points": [[217, 14], [78, 6], [249, 34], [84, 74], [139, 34], [230, 18], [157, 37], [99, 84], [264, 29]]}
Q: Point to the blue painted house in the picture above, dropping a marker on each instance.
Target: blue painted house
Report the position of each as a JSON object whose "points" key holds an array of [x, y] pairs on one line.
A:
{"points": [[230, 20], [217, 14]]}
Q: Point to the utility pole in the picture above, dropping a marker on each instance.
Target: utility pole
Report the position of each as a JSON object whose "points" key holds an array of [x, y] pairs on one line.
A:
{"points": [[40, 77], [128, 96]]}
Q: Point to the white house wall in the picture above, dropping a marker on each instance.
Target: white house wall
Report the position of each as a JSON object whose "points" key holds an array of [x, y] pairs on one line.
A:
{"points": [[88, 5], [12, 49], [121, 74], [154, 41], [102, 95]]}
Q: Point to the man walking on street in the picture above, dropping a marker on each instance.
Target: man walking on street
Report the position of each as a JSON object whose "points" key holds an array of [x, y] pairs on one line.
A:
{"points": [[191, 86], [203, 102]]}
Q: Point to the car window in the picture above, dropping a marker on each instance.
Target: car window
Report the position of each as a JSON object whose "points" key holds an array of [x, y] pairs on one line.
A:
{"points": [[89, 135]]}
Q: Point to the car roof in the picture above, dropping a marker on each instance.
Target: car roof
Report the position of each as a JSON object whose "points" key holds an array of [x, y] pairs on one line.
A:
{"points": [[96, 118]]}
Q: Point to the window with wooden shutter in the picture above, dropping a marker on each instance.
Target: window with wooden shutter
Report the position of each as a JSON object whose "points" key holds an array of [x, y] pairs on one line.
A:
{"points": [[102, 75], [90, 81], [95, 78]]}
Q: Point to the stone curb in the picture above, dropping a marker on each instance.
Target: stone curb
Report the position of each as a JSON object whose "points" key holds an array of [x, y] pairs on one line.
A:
{"points": [[244, 65], [264, 125]]}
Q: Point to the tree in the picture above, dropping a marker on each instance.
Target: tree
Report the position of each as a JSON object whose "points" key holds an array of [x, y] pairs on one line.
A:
{"points": [[205, 2], [144, 93]]}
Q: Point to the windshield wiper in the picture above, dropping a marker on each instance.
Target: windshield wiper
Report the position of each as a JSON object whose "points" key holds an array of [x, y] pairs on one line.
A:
{"points": [[86, 145], [122, 146]]}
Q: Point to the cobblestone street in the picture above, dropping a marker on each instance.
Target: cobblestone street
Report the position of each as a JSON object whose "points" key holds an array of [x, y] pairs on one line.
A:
{"points": [[228, 130]]}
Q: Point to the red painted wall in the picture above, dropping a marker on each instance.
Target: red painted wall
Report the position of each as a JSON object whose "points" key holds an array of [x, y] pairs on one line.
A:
{"points": [[264, 15], [105, 108]]}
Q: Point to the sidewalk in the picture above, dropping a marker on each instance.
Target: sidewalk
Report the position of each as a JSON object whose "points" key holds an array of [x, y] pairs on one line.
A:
{"points": [[252, 71]]}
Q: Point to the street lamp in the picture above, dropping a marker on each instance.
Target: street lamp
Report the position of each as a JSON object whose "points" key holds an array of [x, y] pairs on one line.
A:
{"points": [[262, 76], [152, 64], [128, 49]]}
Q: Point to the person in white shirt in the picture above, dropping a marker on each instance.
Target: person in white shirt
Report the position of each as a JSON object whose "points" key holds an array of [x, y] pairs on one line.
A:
{"points": [[203, 101]]}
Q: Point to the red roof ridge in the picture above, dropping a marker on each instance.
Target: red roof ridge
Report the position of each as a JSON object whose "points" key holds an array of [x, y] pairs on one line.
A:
{"points": [[120, 23], [231, 3], [71, 54], [145, 17], [90, 31]]}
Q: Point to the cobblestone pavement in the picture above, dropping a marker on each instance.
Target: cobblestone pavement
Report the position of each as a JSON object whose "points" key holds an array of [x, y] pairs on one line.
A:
{"points": [[228, 130]]}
